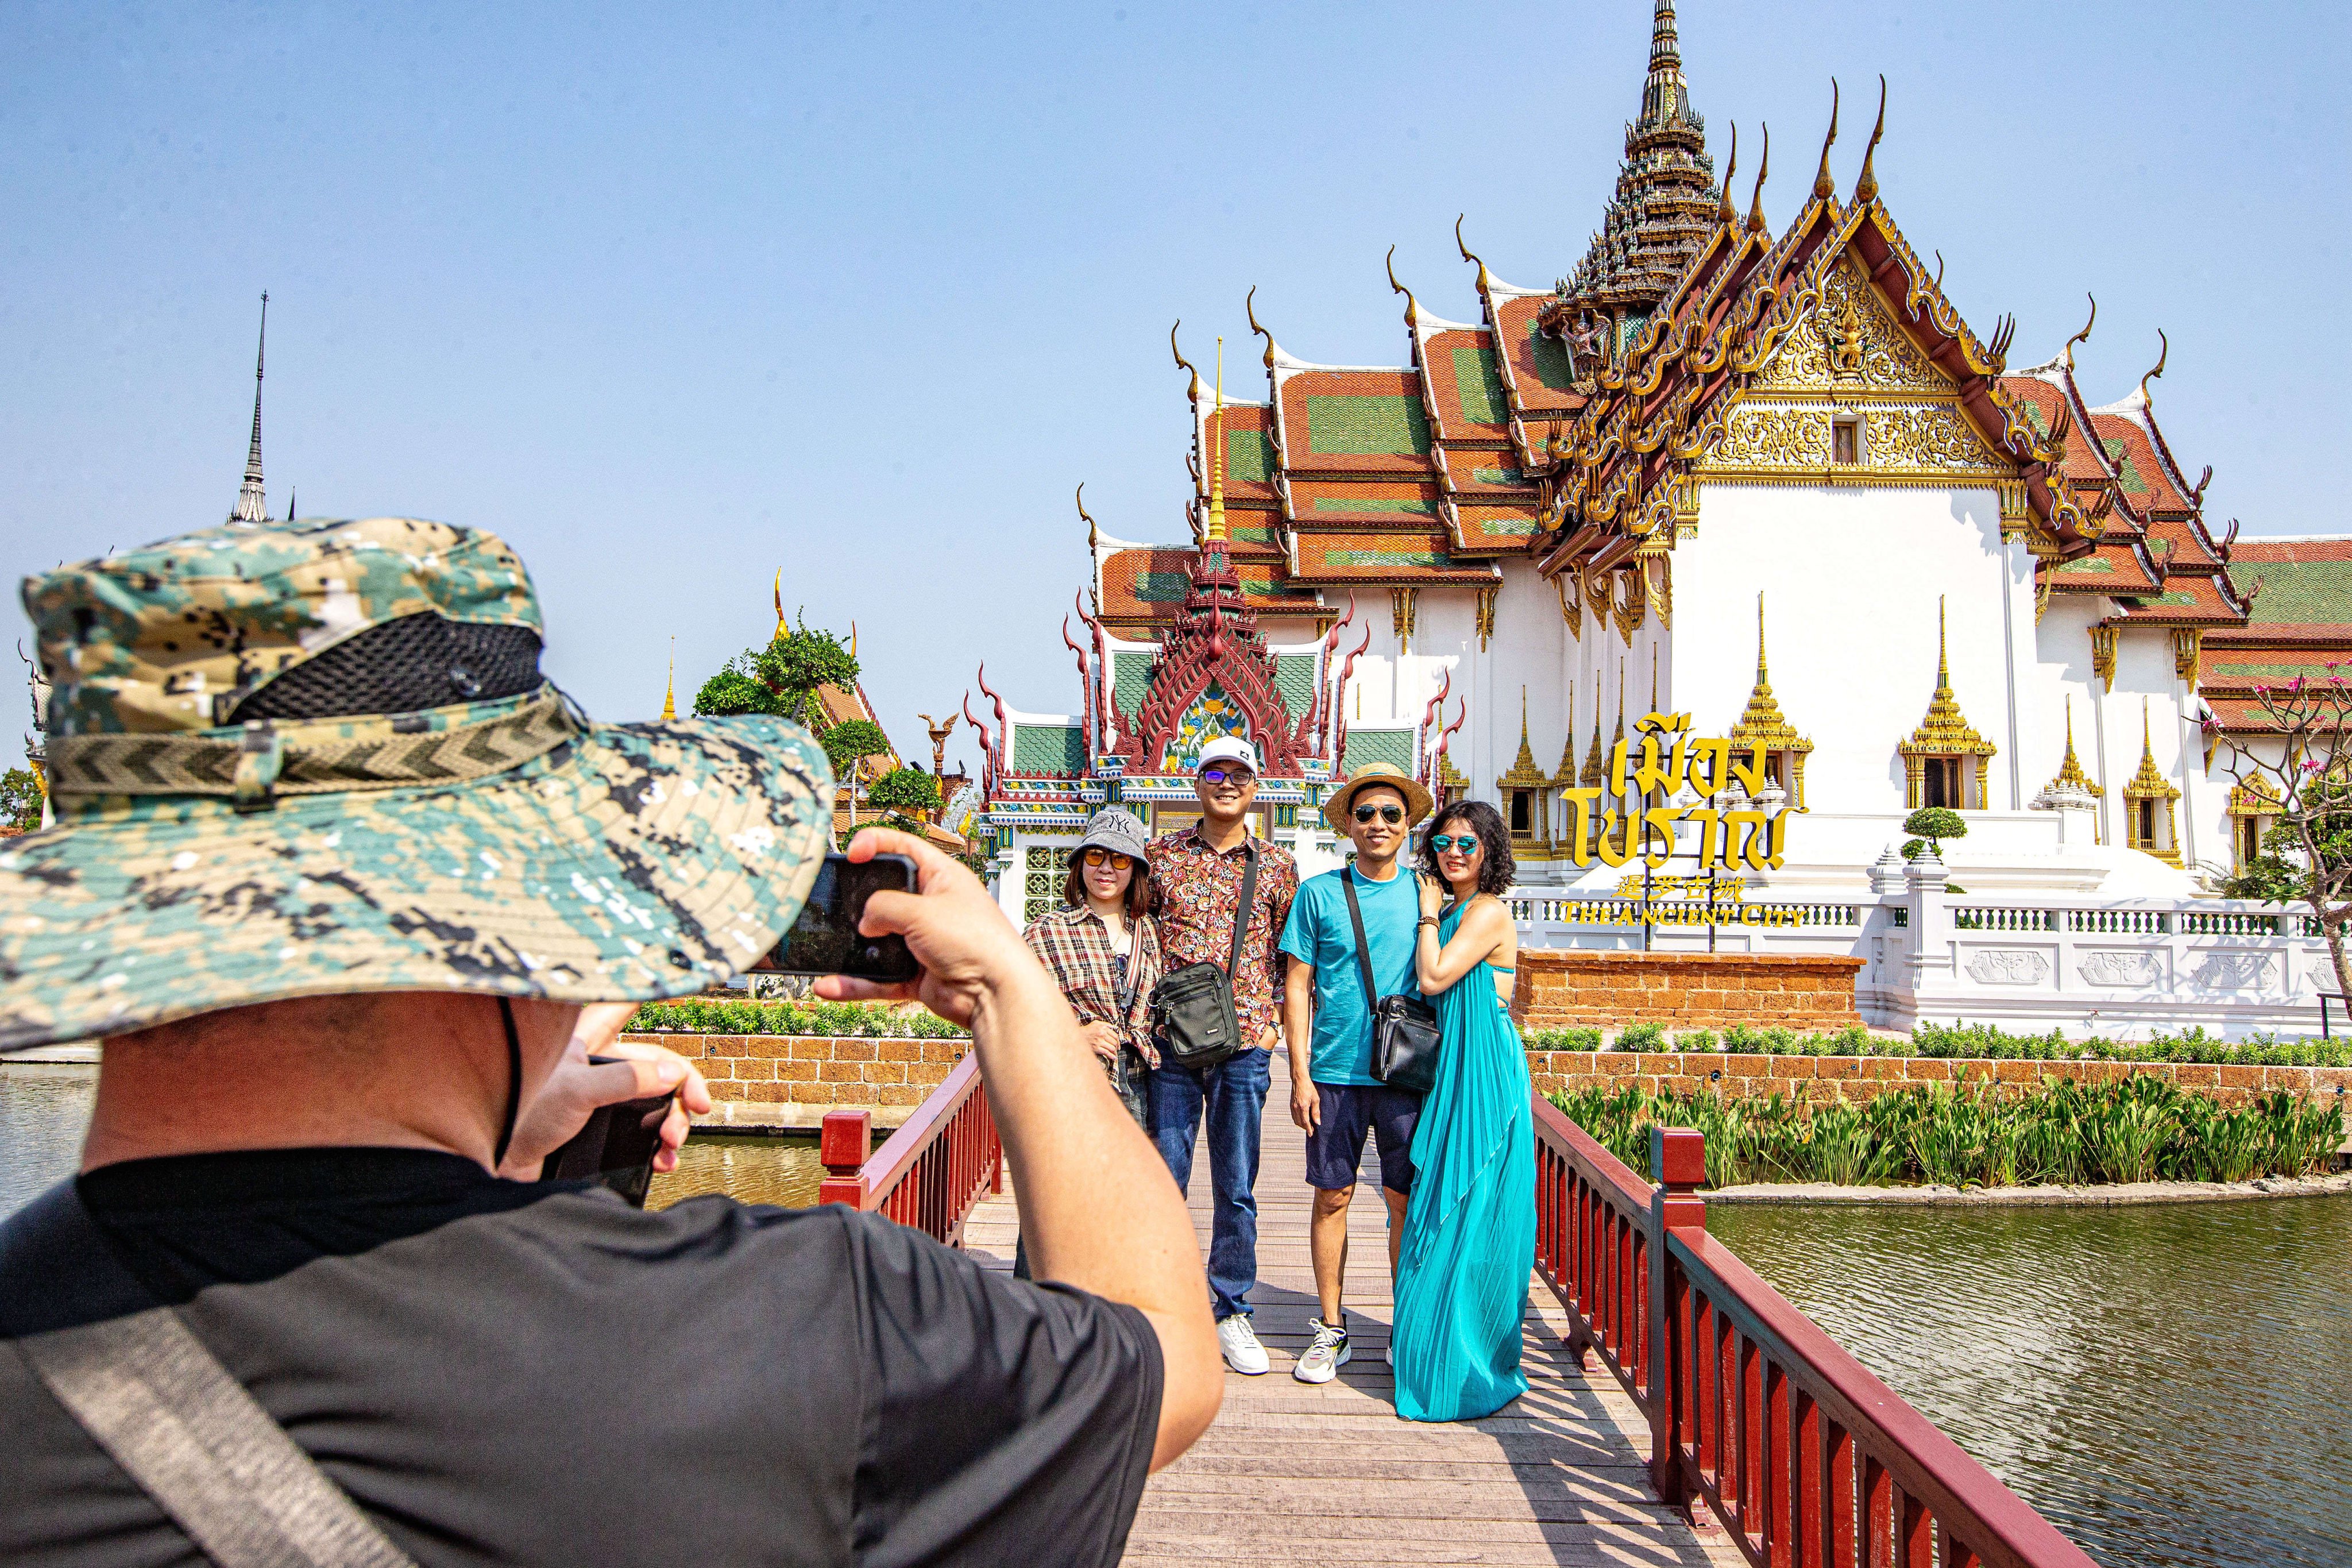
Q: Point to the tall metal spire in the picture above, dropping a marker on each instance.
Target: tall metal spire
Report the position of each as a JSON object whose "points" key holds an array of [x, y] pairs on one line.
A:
{"points": [[1664, 95], [250, 506]]}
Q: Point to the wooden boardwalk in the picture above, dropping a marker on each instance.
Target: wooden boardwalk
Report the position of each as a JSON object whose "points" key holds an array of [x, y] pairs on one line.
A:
{"points": [[1297, 1474]]}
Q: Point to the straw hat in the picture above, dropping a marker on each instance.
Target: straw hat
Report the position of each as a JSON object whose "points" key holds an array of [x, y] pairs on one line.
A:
{"points": [[1341, 801]]}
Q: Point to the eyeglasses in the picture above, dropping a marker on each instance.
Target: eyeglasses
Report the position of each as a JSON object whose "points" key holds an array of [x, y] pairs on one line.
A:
{"points": [[1098, 855], [1392, 815], [1224, 776], [1466, 842]]}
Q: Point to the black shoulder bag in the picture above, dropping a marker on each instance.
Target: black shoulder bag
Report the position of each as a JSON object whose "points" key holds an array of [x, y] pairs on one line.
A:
{"points": [[1404, 1028], [1192, 1008]]}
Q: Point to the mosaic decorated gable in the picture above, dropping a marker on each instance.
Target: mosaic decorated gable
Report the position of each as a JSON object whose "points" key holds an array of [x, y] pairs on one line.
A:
{"points": [[1213, 714]]}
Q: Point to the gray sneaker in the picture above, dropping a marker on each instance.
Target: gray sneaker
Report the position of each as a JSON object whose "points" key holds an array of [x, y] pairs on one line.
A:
{"points": [[1326, 1356]]}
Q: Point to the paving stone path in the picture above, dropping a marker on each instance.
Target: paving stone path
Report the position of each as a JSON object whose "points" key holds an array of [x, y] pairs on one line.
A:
{"points": [[1297, 1474]]}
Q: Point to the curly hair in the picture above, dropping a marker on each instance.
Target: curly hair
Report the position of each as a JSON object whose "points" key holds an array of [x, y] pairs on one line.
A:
{"points": [[1498, 869]]}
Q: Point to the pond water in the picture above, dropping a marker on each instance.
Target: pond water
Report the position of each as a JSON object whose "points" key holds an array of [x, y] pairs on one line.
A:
{"points": [[2169, 1383], [43, 1110]]}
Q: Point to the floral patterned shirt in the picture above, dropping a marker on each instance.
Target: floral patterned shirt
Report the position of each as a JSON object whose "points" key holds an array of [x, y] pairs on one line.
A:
{"points": [[1200, 890]]}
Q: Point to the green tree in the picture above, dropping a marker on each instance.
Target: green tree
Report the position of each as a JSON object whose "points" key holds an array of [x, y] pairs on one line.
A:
{"points": [[2310, 723], [851, 742], [1934, 823], [781, 678], [907, 790], [20, 799]]}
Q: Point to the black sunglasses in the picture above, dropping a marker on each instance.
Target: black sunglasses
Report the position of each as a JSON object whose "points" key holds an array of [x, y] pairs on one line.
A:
{"points": [[1388, 813]]}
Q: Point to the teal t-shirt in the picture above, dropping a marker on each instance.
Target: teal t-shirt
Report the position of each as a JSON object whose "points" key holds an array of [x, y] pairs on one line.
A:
{"points": [[1319, 934]]}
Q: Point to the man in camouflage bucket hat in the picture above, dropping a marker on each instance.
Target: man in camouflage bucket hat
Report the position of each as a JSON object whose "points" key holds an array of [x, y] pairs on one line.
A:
{"points": [[304, 758], [334, 873]]}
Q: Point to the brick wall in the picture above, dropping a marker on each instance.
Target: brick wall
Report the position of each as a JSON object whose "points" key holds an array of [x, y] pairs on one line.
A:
{"points": [[1559, 987], [1824, 1078], [792, 1080]]}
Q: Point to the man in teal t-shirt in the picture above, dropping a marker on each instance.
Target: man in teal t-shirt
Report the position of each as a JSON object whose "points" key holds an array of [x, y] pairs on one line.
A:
{"points": [[1333, 1095]]}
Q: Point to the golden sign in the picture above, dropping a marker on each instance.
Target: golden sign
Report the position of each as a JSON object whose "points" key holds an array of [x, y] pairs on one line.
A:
{"points": [[1667, 759]]}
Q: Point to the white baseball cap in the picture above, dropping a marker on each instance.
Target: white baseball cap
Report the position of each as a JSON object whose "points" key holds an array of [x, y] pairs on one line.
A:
{"points": [[1229, 749]]}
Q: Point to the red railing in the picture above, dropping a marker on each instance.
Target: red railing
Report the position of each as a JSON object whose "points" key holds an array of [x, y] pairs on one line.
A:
{"points": [[1755, 1413], [933, 1172]]}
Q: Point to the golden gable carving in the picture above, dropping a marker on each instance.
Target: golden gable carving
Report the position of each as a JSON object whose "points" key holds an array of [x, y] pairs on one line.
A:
{"points": [[1846, 342], [1772, 438], [1937, 437]]}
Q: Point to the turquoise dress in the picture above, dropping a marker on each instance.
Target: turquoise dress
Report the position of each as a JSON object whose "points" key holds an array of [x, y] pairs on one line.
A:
{"points": [[1470, 1229]]}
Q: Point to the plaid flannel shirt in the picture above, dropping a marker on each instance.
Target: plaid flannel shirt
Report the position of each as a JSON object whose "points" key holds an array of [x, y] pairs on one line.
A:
{"points": [[1200, 890], [1074, 946]]}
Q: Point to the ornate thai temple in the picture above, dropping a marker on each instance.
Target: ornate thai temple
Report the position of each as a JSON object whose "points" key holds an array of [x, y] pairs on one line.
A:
{"points": [[1624, 493]]}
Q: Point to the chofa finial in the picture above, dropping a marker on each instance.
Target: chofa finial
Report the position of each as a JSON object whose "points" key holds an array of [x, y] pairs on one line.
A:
{"points": [[1093, 535], [1728, 214], [1249, 307], [1182, 363], [1866, 186], [2084, 335], [1486, 278], [1756, 202], [2164, 352], [1411, 307], [1825, 188]]}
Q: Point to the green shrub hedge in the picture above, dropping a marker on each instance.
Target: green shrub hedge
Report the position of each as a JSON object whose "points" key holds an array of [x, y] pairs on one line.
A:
{"points": [[1972, 1042], [1976, 1134], [696, 1015]]}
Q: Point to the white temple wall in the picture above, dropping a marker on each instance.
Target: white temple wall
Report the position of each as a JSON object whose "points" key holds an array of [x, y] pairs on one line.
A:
{"points": [[1851, 577]]}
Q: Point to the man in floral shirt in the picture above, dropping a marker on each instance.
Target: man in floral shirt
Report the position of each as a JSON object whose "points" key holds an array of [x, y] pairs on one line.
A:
{"points": [[1201, 871]]}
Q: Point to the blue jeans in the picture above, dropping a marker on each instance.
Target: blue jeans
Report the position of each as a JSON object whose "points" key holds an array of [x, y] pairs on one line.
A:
{"points": [[1233, 1095]]}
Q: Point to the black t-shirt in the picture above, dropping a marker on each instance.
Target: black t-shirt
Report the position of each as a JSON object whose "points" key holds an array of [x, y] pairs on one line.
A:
{"points": [[501, 1371]]}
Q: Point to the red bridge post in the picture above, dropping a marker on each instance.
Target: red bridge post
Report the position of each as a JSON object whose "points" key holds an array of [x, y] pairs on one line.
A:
{"points": [[844, 1146], [1678, 1166]]}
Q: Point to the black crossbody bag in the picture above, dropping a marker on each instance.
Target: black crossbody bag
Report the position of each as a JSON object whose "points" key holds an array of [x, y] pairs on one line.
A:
{"points": [[1192, 1008], [1405, 1036]]}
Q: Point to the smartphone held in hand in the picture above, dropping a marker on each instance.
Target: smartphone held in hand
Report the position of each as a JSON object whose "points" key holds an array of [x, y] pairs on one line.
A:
{"points": [[825, 940], [618, 1145]]}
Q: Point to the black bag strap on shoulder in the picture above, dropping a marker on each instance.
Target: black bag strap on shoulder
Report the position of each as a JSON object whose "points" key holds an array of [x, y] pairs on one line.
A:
{"points": [[1242, 912], [165, 1408], [1364, 949]]}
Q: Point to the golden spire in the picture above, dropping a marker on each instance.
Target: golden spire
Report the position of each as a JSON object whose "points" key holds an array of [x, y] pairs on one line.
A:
{"points": [[1620, 698], [1566, 778], [853, 639], [1216, 532], [1524, 773], [779, 604], [1865, 188], [1945, 731], [1654, 677], [2070, 772], [669, 692], [1761, 723], [1825, 188]]}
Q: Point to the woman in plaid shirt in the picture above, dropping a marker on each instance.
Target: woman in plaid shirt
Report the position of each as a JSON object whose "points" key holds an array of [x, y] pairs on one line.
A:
{"points": [[1103, 948]]}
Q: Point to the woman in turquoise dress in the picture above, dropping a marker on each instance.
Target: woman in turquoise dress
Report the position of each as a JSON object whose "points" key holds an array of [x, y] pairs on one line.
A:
{"points": [[1470, 1229]]}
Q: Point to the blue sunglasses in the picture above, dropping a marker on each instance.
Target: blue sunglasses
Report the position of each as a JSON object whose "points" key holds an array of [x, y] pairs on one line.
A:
{"points": [[1466, 842]]}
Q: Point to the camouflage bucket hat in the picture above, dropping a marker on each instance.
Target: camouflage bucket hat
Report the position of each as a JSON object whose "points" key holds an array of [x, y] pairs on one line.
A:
{"points": [[296, 758]]}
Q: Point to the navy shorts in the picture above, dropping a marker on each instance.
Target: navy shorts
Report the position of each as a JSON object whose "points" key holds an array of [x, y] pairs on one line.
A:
{"points": [[1336, 1148]]}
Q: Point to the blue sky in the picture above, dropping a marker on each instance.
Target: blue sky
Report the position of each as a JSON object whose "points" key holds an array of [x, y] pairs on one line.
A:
{"points": [[674, 297]]}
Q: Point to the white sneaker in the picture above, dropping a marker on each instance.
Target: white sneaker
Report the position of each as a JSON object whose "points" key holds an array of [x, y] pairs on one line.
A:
{"points": [[1239, 1342], [1326, 1356]]}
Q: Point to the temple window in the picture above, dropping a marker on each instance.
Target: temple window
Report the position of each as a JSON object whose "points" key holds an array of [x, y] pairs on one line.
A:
{"points": [[1845, 441], [2149, 802], [1945, 761], [1522, 789], [1522, 812]]}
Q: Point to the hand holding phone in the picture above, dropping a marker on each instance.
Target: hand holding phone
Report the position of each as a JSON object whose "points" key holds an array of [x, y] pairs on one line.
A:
{"points": [[966, 946], [618, 1145], [825, 938]]}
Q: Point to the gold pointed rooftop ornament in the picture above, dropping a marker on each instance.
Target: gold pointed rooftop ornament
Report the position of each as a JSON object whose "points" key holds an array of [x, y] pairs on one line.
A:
{"points": [[1215, 532], [1524, 773], [1193, 392], [1726, 213], [2084, 335], [2163, 354], [1411, 307], [779, 604], [1249, 308], [669, 692], [1824, 188], [1093, 535], [1486, 278], [2070, 772], [1756, 202], [1945, 731], [1762, 724], [1566, 777], [1865, 186]]}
